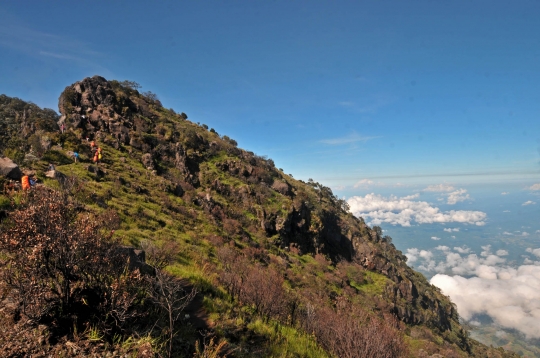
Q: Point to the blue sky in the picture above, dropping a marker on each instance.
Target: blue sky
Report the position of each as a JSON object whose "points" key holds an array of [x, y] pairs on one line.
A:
{"points": [[337, 91], [423, 114]]}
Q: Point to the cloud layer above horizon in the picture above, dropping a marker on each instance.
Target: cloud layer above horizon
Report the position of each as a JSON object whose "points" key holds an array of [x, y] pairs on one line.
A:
{"points": [[486, 284], [404, 210]]}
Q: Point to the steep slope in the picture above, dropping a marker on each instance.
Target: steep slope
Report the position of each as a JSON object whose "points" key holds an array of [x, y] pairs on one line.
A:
{"points": [[228, 215]]}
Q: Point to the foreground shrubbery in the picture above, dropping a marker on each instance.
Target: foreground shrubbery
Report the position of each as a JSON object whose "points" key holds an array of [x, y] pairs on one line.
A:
{"points": [[63, 271], [343, 329]]}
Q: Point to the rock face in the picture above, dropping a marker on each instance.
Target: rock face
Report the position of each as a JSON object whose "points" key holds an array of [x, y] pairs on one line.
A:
{"points": [[106, 111], [22, 120], [9, 170], [93, 106]]}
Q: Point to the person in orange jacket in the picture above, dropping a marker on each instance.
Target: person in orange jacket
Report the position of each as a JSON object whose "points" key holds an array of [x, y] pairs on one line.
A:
{"points": [[25, 182]]}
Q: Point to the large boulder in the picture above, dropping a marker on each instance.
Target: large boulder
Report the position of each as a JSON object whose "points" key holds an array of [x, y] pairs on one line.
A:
{"points": [[10, 170], [282, 187], [93, 106]]}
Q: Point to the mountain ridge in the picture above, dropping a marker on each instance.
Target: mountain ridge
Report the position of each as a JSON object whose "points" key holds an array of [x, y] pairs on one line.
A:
{"points": [[170, 178]]}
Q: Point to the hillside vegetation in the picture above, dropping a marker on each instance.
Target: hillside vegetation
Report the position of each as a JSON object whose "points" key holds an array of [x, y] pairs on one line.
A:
{"points": [[281, 267]]}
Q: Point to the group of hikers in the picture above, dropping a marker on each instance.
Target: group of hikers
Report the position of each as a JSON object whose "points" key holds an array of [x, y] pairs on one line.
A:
{"points": [[97, 153], [29, 181]]}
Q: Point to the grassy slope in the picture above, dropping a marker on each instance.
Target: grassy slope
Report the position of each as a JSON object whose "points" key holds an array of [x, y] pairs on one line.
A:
{"points": [[150, 211]]}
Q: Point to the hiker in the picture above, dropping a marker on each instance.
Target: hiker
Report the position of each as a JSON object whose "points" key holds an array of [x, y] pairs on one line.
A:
{"points": [[92, 146], [33, 181], [51, 167], [75, 157], [62, 128], [98, 156], [25, 182]]}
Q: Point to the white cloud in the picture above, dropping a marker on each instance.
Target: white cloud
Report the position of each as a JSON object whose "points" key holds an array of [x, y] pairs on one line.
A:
{"points": [[368, 183], [453, 262], [414, 254], [456, 229], [410, 197], [528, 202], [511, 297], [439, 188], [538, 231], [462, 250], [403, 211], [525, 233], [535, 187], [363, 183], [535, 252], [457, 196], [442, 248], [486, 285], [507, 233], [435, 238], [505, 193], [506, 211]]}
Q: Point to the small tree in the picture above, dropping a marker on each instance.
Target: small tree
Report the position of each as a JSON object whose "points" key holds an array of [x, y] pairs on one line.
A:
{"points": [[131, 84], [63, 265], [171, 297]]}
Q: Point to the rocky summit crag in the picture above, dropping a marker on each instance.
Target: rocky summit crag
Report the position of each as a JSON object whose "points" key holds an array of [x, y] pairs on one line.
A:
{"points": [[227, 215]]}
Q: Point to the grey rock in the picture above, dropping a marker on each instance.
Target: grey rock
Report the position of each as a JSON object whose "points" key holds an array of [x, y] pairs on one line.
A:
{"points": [[9, 169]]}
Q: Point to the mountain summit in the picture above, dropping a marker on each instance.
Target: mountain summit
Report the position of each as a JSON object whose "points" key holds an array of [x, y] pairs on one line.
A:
{"points": [[275, 260]]}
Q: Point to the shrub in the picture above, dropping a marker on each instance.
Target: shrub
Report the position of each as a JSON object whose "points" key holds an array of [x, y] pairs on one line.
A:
{"points": [[64, 267], [350, 332]]}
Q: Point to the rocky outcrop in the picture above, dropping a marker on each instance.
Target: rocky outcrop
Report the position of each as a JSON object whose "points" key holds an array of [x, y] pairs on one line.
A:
{"points": [[108, 112], [19, 119], [93, 106], [282, 187], [10, 170]]}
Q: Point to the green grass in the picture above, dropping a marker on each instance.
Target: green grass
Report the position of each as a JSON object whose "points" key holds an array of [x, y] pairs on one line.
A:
{"points": [[286, 341], [5, 203], [198, 276], [377, 283]]}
